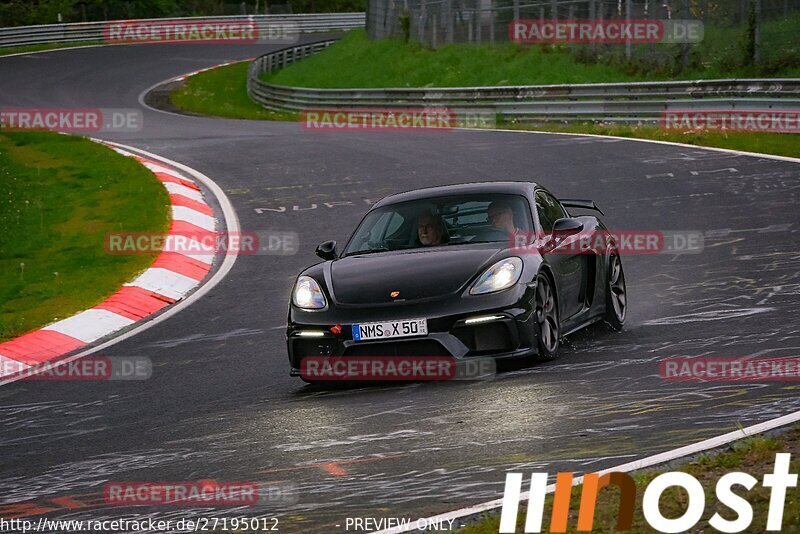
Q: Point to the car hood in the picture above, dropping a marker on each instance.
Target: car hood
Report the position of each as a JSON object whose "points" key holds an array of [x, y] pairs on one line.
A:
{"points": [[416, 274]]}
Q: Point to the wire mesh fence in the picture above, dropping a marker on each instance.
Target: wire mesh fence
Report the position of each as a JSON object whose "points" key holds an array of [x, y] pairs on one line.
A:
{"points": [[764, 34]]}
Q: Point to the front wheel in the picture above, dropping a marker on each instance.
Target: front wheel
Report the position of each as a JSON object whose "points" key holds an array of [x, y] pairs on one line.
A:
{"points": [[616, 294], [547, 318]]}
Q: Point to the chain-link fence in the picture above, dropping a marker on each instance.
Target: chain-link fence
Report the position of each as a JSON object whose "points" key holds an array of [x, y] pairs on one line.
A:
{"points": [[763, 34]]}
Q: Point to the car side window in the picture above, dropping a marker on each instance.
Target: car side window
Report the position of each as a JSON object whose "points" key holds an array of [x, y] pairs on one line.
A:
{"points": [[549, 209]]}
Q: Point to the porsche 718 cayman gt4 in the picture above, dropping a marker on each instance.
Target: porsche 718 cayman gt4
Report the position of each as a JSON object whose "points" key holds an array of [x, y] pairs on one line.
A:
{"points": [[460, 271]]}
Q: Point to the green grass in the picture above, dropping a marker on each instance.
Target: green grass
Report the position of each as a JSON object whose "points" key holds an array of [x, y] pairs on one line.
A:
{"points": [[59, 197], [40, 47], [222, 92], [355, 62], [755, 456]]}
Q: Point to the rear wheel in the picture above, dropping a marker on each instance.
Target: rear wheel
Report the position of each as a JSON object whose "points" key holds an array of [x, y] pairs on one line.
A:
{"points": [[547, 318], [616, 294]]}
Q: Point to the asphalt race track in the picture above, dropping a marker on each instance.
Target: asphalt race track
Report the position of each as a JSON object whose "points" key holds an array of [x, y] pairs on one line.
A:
{"points": [[220, 404]]}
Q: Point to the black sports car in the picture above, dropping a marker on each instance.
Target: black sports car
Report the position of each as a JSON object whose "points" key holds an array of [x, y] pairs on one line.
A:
{"points": [[462, 271]]}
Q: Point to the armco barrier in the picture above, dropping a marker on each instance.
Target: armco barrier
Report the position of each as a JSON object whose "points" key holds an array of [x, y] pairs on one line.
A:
{"points": [[640, 102], [93, 31]]}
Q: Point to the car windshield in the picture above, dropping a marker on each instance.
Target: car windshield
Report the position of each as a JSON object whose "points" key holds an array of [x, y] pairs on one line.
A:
{"points": [[441, 221]]}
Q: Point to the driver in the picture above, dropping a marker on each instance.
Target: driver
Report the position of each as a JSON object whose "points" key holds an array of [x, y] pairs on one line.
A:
{"points": [[501, 215], [431, 229]]}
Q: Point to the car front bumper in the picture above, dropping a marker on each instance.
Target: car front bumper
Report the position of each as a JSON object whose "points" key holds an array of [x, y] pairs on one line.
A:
{"points": [[500, 325]]}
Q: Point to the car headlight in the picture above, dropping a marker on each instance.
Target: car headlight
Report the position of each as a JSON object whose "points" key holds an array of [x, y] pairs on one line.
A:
{"points": [[307, 294], [502, 275]]}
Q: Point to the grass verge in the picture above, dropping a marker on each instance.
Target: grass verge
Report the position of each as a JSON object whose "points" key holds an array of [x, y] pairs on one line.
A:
{"points": [[755, 456], [222, 92], [41, 47], [59, 197], [356, 62]]}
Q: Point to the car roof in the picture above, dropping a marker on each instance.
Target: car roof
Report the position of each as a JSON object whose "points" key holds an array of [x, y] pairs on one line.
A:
{"points": [[518, 188]]}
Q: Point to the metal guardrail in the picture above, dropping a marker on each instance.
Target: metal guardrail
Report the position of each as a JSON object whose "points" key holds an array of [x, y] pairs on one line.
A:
{"points": [[614, 102], [93, 31]]}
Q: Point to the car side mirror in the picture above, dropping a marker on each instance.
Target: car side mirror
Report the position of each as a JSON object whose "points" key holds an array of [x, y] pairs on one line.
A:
{"points": [[567, 227], [327, 250], [562, 229]]}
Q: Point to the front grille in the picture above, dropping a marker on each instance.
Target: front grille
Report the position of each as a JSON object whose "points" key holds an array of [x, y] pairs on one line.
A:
{"points": [[417, 347]]}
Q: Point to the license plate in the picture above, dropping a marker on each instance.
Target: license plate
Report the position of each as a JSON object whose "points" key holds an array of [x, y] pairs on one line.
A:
{"points": [[390, 329]]}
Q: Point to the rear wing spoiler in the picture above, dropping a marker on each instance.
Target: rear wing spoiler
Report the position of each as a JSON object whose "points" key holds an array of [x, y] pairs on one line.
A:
{"points": [[577, 203]]}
